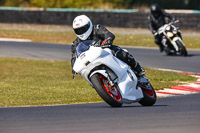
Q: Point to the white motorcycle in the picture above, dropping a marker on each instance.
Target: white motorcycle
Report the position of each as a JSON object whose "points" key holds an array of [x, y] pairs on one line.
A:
{"points": [[172, 41], [112, 79]]}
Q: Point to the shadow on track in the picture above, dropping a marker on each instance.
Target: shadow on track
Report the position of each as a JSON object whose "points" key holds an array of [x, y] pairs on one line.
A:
{"points": [[132, 106]]}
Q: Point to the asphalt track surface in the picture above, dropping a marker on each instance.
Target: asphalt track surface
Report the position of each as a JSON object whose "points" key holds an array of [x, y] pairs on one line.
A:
{"points": [[180, 114], [146, 57]]}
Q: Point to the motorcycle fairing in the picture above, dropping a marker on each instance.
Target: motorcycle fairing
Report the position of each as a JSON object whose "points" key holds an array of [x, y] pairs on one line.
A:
{"points": [[175, 44], [127, 86]]}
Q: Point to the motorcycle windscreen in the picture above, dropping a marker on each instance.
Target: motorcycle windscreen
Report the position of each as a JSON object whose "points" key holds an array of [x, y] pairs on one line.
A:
{"points": [[83, 46]]}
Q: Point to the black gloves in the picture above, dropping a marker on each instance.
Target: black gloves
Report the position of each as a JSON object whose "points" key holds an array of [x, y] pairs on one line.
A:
{"points": [[107, 42]]}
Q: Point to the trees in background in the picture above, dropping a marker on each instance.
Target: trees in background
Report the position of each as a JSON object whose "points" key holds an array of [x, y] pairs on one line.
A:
{"points": [[103, 4]]}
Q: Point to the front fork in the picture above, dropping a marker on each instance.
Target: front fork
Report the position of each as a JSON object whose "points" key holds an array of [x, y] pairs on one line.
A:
{"points": [[112, 77], [164, 41], [143, 81], [111, 82]]}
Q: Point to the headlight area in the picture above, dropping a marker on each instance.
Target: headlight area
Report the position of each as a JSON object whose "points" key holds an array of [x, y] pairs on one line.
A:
{"points": [[174, 31], [170, 34]]}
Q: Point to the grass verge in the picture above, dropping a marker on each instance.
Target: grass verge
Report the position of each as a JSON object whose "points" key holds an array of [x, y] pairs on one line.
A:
{"points": [[26, 82], [65, 35], [147, 40]]}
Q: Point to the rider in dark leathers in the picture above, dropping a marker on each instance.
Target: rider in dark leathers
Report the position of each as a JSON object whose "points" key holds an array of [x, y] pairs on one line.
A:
{"points": [[156, 19], [99, 32]]}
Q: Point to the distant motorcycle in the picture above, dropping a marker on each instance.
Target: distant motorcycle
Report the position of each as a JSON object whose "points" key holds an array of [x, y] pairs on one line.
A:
{"points": [[112, 79], [172, 42]]}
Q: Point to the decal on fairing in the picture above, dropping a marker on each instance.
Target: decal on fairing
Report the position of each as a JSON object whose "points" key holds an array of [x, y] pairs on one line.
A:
{"points": [[82, 56], [130, 75]]}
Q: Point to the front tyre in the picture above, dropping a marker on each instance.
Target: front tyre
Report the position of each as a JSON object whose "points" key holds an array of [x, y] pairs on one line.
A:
{"points": [[149, 95], [167, 51], [110, 95], [182, 48]]}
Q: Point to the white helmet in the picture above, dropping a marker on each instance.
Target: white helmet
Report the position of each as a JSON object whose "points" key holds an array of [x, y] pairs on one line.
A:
{"points": [[82, 26]]}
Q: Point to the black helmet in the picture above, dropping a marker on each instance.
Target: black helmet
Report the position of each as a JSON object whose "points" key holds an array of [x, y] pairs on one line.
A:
{"points": [[155, 10]]}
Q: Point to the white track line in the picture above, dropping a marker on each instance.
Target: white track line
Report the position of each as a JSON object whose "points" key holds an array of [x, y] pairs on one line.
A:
{"points": [[15, 40]]}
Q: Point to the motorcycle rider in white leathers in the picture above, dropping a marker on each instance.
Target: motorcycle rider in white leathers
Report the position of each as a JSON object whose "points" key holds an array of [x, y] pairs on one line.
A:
{"points": [[85, 30]]}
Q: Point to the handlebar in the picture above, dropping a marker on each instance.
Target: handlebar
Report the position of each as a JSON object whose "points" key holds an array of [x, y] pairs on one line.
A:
{"points": [[160, 30], [96, 44], [173, 22]]}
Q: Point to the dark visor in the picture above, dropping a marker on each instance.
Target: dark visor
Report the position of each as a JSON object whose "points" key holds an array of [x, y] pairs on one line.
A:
{"points": [[81, 30]]}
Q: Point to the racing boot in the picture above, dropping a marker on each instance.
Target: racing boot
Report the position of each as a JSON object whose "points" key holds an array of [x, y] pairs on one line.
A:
{"points": [[135, 66], [139, 71]]}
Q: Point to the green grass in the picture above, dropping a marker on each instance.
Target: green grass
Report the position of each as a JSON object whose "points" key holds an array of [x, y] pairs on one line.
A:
{"points": [[165, 79], [26, 82], [65, 35], [59, 37], [148, 40], [192, 42], [134, 40]]}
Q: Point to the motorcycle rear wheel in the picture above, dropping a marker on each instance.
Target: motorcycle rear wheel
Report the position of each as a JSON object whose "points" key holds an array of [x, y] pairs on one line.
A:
{"points": [[149, 95], [110, 95]]}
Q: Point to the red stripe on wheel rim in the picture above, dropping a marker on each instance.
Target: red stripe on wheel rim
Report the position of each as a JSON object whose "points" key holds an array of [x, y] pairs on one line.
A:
{"points": [[150, 93], [115, 97]]}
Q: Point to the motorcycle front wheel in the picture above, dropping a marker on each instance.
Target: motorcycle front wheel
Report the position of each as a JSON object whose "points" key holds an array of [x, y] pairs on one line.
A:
{"points": [[182, 48], [149, 95], [110, 94]]}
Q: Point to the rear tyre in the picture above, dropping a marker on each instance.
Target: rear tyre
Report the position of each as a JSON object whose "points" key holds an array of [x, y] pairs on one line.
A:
{"points": [[149, 95], [182, 48], [110, 95]]}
